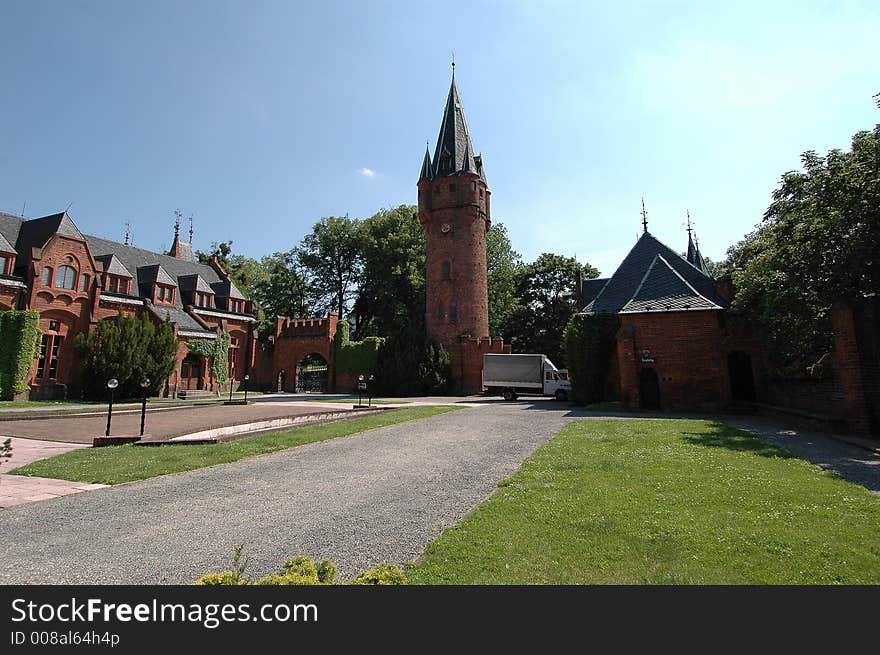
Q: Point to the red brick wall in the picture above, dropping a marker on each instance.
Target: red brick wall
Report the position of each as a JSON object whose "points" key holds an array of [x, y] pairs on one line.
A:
{"points": [[686, 348], [466, 358], [295, 339]]}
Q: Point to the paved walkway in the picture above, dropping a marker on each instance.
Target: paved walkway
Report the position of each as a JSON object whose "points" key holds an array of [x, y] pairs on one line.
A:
{"points": [[17, 489], [161, 423]]}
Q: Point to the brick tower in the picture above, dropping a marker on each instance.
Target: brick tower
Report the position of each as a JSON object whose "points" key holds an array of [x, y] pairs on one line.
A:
{"points": [[454, 212]]}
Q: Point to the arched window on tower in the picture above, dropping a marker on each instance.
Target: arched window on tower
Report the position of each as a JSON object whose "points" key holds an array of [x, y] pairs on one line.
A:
{"points": [[447, 270], [453, 312], [441, 313]]}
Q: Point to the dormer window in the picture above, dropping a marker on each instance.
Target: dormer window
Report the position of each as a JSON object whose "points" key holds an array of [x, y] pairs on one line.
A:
{"points": [[117, 284], [236, 306], [164, 294], [204, 299]]}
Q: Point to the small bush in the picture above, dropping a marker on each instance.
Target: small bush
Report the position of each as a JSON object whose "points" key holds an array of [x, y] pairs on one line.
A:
{"points": [[221, 578], [302, 570], [381, 574]]}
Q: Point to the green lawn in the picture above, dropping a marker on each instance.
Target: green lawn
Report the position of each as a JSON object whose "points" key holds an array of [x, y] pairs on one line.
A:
{"points": [[117, 464], [662, 502]]}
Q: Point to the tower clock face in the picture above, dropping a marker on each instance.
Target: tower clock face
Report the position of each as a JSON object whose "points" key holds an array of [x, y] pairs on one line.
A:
{"points": [[445, 227]]}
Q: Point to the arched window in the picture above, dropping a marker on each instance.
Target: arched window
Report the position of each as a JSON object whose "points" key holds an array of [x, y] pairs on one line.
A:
{"points": [[66, 278], [453, 312], [446, 270], [47, 276], [84, 283]]}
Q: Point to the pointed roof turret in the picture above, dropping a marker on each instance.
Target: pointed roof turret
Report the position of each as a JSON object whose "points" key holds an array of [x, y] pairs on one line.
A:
{"points": [[693, 256], [454, 151], [427, 168]]}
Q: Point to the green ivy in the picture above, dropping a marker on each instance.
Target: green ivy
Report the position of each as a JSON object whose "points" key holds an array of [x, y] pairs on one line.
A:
{"points": [[589, 343], [355, 356], [217, 350], [19, 345]]}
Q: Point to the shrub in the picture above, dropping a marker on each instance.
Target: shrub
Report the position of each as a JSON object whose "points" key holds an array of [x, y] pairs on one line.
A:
{"points": [[19, 345], [589, 345], [302, 570], [381, 574], [410, 365], [221, 578]]}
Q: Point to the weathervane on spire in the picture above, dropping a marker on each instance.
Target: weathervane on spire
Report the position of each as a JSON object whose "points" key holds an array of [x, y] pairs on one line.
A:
{"points": [[689, 226], [644, 216], [453, 63], [127, 232], [177, 216], [190, 228]]}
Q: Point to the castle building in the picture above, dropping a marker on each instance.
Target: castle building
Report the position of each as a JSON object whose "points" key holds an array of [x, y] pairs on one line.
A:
{"points": [[455, 212], [75, 280]]}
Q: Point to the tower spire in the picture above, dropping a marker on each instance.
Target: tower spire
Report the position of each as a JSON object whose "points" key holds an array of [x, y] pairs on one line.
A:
{"points": [[177, 216], [190, 228], [644, 216], [127, 232], [454, 152]]}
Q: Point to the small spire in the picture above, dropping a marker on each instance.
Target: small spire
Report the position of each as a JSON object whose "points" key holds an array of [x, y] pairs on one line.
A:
{"points": [[190, 228], [644, 216], [453, 64], [127, 233], [427, 172], [177, 216]]}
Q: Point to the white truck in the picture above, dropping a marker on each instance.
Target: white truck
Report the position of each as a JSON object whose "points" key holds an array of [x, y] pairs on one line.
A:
{"points": [[513, 375]]}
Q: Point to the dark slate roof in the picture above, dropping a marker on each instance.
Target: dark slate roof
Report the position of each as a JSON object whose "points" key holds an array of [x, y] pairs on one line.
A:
{"points": [[184, 320], [134, 258], [226, 289], [9, 227], [112, 265], [427, 172], [663, 290], [454, 141], [34, 233], [149, 275], [5, 246], [192, 283], [694, 257], [591, 288], [627, 279]]}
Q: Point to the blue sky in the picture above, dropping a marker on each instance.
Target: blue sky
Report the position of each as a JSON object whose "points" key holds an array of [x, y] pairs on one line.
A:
{"points": [[261, 117]]}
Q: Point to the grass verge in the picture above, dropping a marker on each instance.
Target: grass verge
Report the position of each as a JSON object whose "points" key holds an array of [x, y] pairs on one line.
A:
{"points": [[117, 464], [662, 502]]}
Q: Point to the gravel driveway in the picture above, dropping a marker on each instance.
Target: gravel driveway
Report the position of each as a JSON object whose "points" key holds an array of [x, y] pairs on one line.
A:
{"points": [[378, 495]]}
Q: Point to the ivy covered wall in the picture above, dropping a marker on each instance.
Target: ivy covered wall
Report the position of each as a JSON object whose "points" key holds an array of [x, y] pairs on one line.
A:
{"points": [[355, 356], [19, 344]]}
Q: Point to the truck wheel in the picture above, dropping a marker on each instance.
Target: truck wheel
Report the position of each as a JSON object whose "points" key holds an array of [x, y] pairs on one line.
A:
{"points": [[508, 394], [561, 395]]}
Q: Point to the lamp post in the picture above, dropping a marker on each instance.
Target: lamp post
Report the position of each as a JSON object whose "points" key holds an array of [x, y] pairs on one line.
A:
{"points": [[246, 378], [112, 383], [370, 391], [361, 386], [231, 381], [145, 384]]}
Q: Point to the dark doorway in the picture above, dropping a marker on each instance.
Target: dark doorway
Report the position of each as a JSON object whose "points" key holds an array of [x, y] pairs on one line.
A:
{"points": [[191, 372], [311, 374], [742, 381], [649, 389]]}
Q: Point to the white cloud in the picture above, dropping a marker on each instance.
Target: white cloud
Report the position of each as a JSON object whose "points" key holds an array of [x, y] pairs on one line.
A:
{"points": [[366, 172]]}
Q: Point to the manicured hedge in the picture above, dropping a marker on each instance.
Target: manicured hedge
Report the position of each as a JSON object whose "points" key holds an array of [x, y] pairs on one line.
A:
{"points": [[355, 356]]}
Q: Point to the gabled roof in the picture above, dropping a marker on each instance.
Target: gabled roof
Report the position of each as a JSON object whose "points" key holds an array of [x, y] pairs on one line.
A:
{"points": [[193, 283], [34, 233], [9, 227], [148, 275], [454, 140], [662, 289], [226, 289], [627, 279], [5, 246], [112, 265]]}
